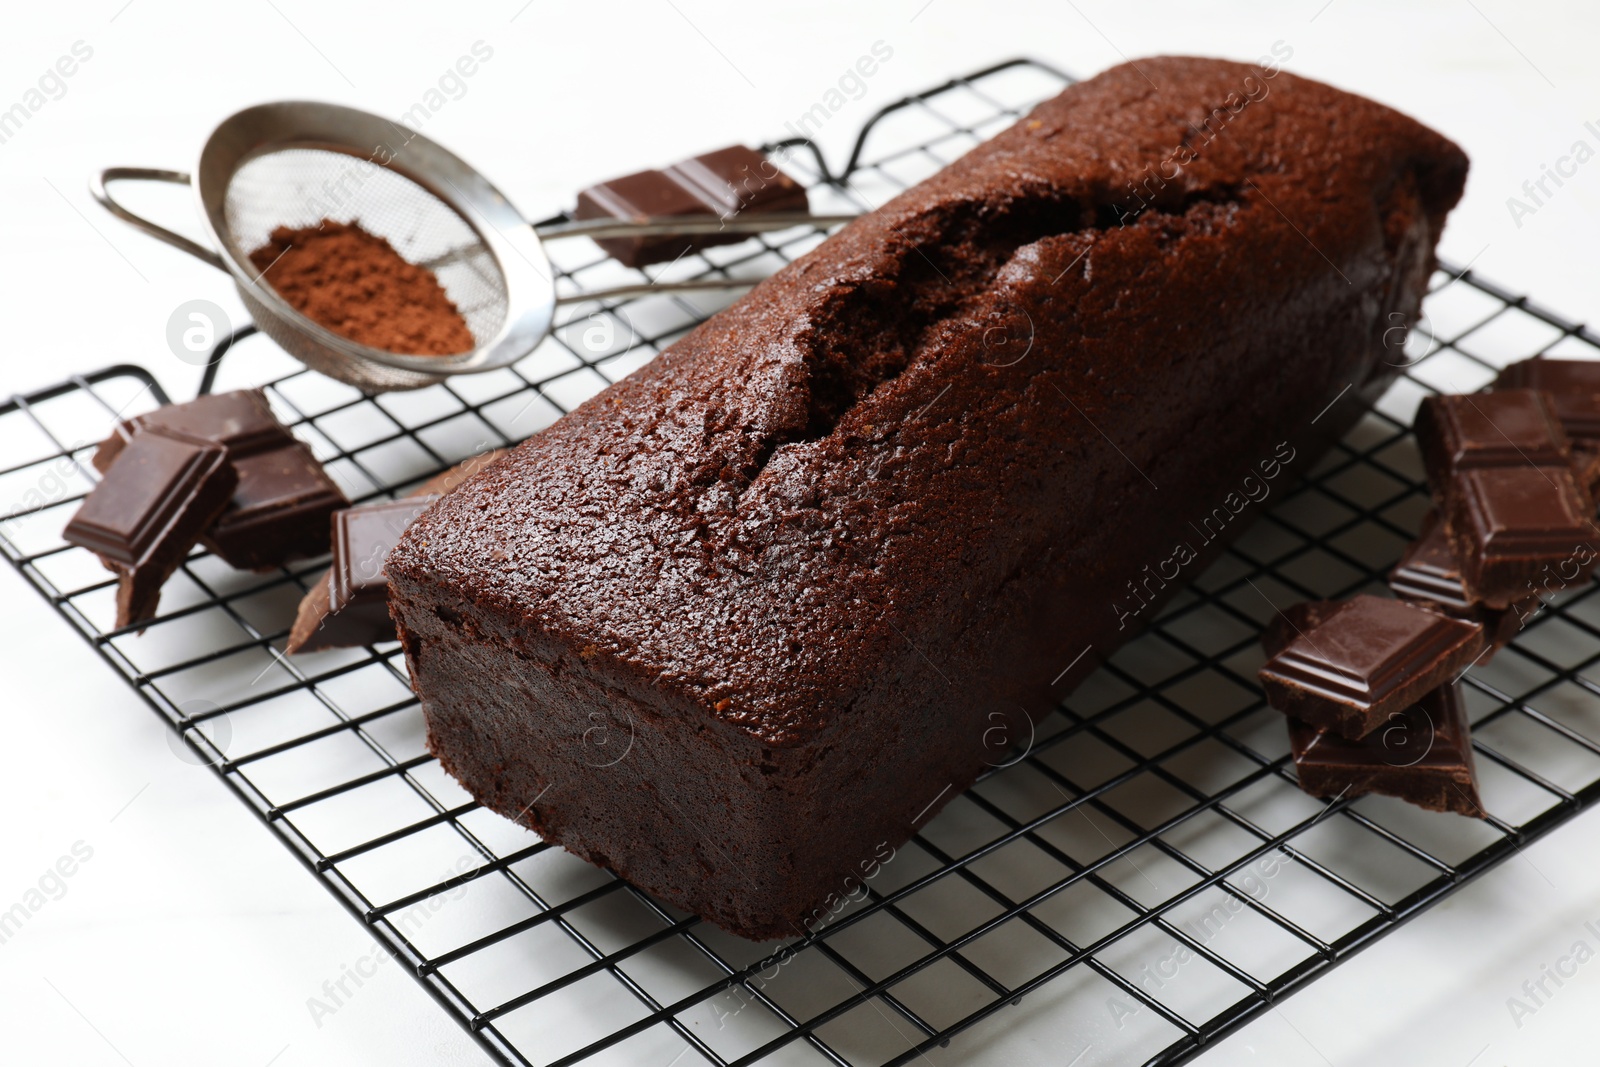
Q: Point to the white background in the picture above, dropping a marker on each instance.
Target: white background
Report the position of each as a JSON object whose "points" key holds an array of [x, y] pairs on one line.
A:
{"points": [[191, 936]]}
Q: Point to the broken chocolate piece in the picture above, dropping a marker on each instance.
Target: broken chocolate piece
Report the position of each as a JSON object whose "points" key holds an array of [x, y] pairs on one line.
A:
{"points": [[147, 513], [1428, 576], [279, 512], [1574, 387], [736, 179], [240, 421], [1427, 570], [1421, 754], [362, 538], [317, 626], [1586, 468], [1296, 621], [357, 593], [281, 505], [723, 183], [1505, 428], [311, 631], [1510, 527], [1372, 657]]}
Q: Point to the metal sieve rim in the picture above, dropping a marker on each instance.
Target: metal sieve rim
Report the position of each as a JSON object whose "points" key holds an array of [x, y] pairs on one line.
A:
{"points": [[510, 241]]}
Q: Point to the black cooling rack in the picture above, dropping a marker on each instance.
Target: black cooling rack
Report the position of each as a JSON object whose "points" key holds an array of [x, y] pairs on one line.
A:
{"points": [[1143, 880]]}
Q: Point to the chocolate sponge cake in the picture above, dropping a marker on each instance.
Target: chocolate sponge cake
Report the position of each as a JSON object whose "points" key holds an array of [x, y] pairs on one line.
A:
{"points": [[741, 623]]}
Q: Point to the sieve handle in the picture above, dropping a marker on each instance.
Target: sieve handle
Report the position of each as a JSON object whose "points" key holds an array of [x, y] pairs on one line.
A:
{"points": [[686, 224], [98, 183]]}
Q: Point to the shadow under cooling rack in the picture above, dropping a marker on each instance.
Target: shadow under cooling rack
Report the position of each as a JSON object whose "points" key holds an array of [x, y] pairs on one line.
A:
{"points": [[1143, 880]]}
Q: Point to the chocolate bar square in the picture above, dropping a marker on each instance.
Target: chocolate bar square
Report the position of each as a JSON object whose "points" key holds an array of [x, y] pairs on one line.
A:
{"points": [[722, 183], [283, 498], [316, 625], [147, 513], [646, 194], [1510, 525], [1372, 657], [350, 605], [1429, 576], [738, 179], [241, 421], [1574, 386], [1421, 753], [280, 510], [1503, 428]]}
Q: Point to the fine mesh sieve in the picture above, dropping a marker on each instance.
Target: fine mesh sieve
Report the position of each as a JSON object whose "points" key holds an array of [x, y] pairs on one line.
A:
{"points": [[286, 188], [295, 163]]}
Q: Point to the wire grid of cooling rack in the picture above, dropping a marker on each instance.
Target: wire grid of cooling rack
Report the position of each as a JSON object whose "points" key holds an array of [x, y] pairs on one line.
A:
{"points": [[1143, 880]]}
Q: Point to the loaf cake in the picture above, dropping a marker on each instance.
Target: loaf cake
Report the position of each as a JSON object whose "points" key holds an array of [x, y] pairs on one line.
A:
{"points": [[739, 625]]}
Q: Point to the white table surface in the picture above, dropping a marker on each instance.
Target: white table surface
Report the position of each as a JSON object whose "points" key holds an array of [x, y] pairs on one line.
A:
{"points": [[190, 936]]}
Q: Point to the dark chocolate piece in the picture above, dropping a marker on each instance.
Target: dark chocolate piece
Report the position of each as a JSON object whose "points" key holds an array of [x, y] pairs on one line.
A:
{"points": [[1428, 576], [724, 183], [1294, 621], [148, 511], [240, 421], [1372, 657], [736, 179], [1427, 571], [355, 590], [1574, 386], [362, 537], [279, 512], [1506, 428], [647, 194], [1421, 754], [1586, 468], [283, 500], [1508, 526], [312, 631], [316, 624]]}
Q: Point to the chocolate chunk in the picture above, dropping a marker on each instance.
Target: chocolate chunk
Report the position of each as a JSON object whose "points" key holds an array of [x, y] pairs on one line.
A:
{"points": [[318, 624], [281, 505], [312, 631], [279, 512], [647, 194], [1428, 576], [241, 421], [355, 591], [723, 183], [148, 511], [1427, 571], [1500, 429], [1296, 621], [1586, 468], [362, 538], [736, 179], [1509, 526], [1371, 657], [1574, 386], [1421, 754]]}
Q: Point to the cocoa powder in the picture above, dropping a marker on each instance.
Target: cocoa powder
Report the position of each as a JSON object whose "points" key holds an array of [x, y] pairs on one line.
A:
{"points": [[356, 284]]}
